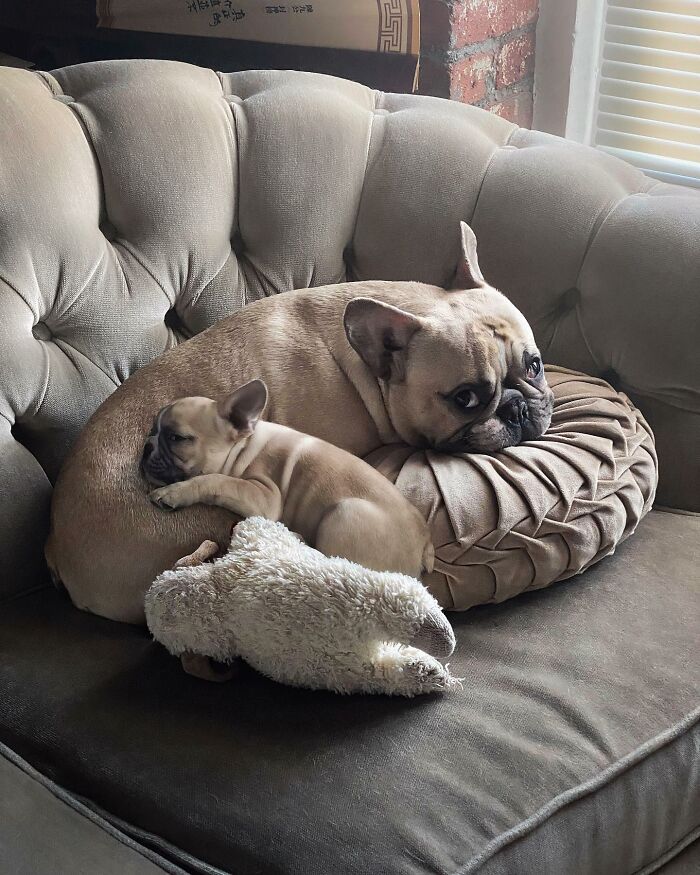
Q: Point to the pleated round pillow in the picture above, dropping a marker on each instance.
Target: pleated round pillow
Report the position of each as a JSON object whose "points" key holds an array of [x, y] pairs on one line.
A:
{"points": [[537, 513]]}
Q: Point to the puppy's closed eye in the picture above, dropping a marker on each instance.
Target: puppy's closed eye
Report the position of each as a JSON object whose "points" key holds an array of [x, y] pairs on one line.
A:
{"points": [[175, 438]]}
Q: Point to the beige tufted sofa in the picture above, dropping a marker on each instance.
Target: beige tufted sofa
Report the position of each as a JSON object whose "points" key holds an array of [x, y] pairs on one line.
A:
{"points": [[141, 201]]}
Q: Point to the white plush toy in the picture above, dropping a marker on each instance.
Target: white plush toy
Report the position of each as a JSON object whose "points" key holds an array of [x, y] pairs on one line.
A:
{"points": [[303, 618]]}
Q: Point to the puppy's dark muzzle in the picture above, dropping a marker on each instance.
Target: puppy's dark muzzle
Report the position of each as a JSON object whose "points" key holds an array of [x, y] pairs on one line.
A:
{"points": [[157, 467], [148, 451]]}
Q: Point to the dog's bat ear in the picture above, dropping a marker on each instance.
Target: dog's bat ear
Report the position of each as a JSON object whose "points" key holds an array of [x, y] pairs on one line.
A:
{"points": [[468, 274], [243, 407], [379, 334]]}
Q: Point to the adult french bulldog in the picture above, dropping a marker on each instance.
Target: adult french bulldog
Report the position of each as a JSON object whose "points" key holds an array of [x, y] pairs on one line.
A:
{"points": [[356, 364], [221, 454]]}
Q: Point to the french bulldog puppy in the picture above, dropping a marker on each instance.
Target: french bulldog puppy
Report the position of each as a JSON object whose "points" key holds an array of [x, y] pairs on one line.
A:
{"points": [[221, 454], [358, 365]]}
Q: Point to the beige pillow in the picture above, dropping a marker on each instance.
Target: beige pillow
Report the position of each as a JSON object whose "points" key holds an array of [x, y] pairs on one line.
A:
{"points": [[537, 513]]}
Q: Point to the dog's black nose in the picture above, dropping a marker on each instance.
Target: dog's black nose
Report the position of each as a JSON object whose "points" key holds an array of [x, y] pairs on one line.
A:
{"points": [[513, 408], [147, 450]]}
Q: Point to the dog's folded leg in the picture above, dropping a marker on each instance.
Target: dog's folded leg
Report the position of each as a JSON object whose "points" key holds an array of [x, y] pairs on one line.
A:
{"points": [[207, 669], [206, 551], [177, 615]]}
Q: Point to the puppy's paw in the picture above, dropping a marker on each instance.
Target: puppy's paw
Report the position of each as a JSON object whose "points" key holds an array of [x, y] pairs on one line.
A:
{"points": [[206, 551], [168, 497]]}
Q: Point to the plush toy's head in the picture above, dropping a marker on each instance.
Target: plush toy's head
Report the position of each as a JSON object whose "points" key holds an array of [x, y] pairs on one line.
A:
{"points": [[304, 618]]}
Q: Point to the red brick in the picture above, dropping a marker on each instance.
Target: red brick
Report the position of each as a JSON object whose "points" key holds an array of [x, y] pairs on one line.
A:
{"points": [[468, 77], [476, 20], [515, 107], [516, 60]]}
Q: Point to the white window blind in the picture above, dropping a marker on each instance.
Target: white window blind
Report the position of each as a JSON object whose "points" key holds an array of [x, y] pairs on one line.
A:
{"points": [[636, 84]]}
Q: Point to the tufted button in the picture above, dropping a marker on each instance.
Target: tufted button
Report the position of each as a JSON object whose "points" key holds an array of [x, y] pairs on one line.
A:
{"points": [[570, 299], [349, 258], [237, 243], [108, 229], [64, 98], [173, 321], [41, 331], [611, 376]]}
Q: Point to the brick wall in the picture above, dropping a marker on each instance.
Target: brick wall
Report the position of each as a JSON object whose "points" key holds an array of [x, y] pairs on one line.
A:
{"points": [[480, 52]]}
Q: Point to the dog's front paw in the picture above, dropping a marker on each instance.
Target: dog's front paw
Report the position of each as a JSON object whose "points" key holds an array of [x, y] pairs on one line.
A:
{"points": [[168, 497]]}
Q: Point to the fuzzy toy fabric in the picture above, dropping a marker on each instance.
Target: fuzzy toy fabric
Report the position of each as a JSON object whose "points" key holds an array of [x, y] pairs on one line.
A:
{"points": [[303, 618]]}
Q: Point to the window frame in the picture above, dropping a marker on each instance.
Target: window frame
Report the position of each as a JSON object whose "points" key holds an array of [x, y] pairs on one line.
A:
{"points": [[568, 61]]}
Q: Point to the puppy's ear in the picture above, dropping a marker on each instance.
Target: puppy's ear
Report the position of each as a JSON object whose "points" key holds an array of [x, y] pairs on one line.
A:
{"points": [[243, 408], [379, 334], [468, 274]]}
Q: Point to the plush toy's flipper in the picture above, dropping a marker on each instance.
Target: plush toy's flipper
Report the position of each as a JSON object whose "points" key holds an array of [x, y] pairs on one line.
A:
{"points": [[401, 609], [392, 669], [435, 635]]}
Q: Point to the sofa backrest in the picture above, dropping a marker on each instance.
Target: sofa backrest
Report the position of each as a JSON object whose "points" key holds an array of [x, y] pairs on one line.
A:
{"points": [[143, 200]]}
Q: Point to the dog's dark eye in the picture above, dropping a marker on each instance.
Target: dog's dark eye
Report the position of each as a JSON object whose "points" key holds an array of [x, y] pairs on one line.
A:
{"points": [[535, 367], [176, 438], [466, 399]]}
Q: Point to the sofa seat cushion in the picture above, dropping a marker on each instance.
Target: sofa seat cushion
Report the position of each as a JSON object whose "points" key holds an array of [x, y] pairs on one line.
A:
{"points": [[46, 831], [574, 738], [535, 513]]}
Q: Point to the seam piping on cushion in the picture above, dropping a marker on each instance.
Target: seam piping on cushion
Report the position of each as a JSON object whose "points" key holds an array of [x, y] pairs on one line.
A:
{"points": [[148, 838], [671, 853], [558, 803], [49, 81], [98, 820]]}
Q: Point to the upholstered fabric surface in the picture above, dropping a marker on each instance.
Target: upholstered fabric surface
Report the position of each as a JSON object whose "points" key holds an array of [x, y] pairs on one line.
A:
{"points": [[45, 831], [540, 512], [572, 750], [143, 200]]}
